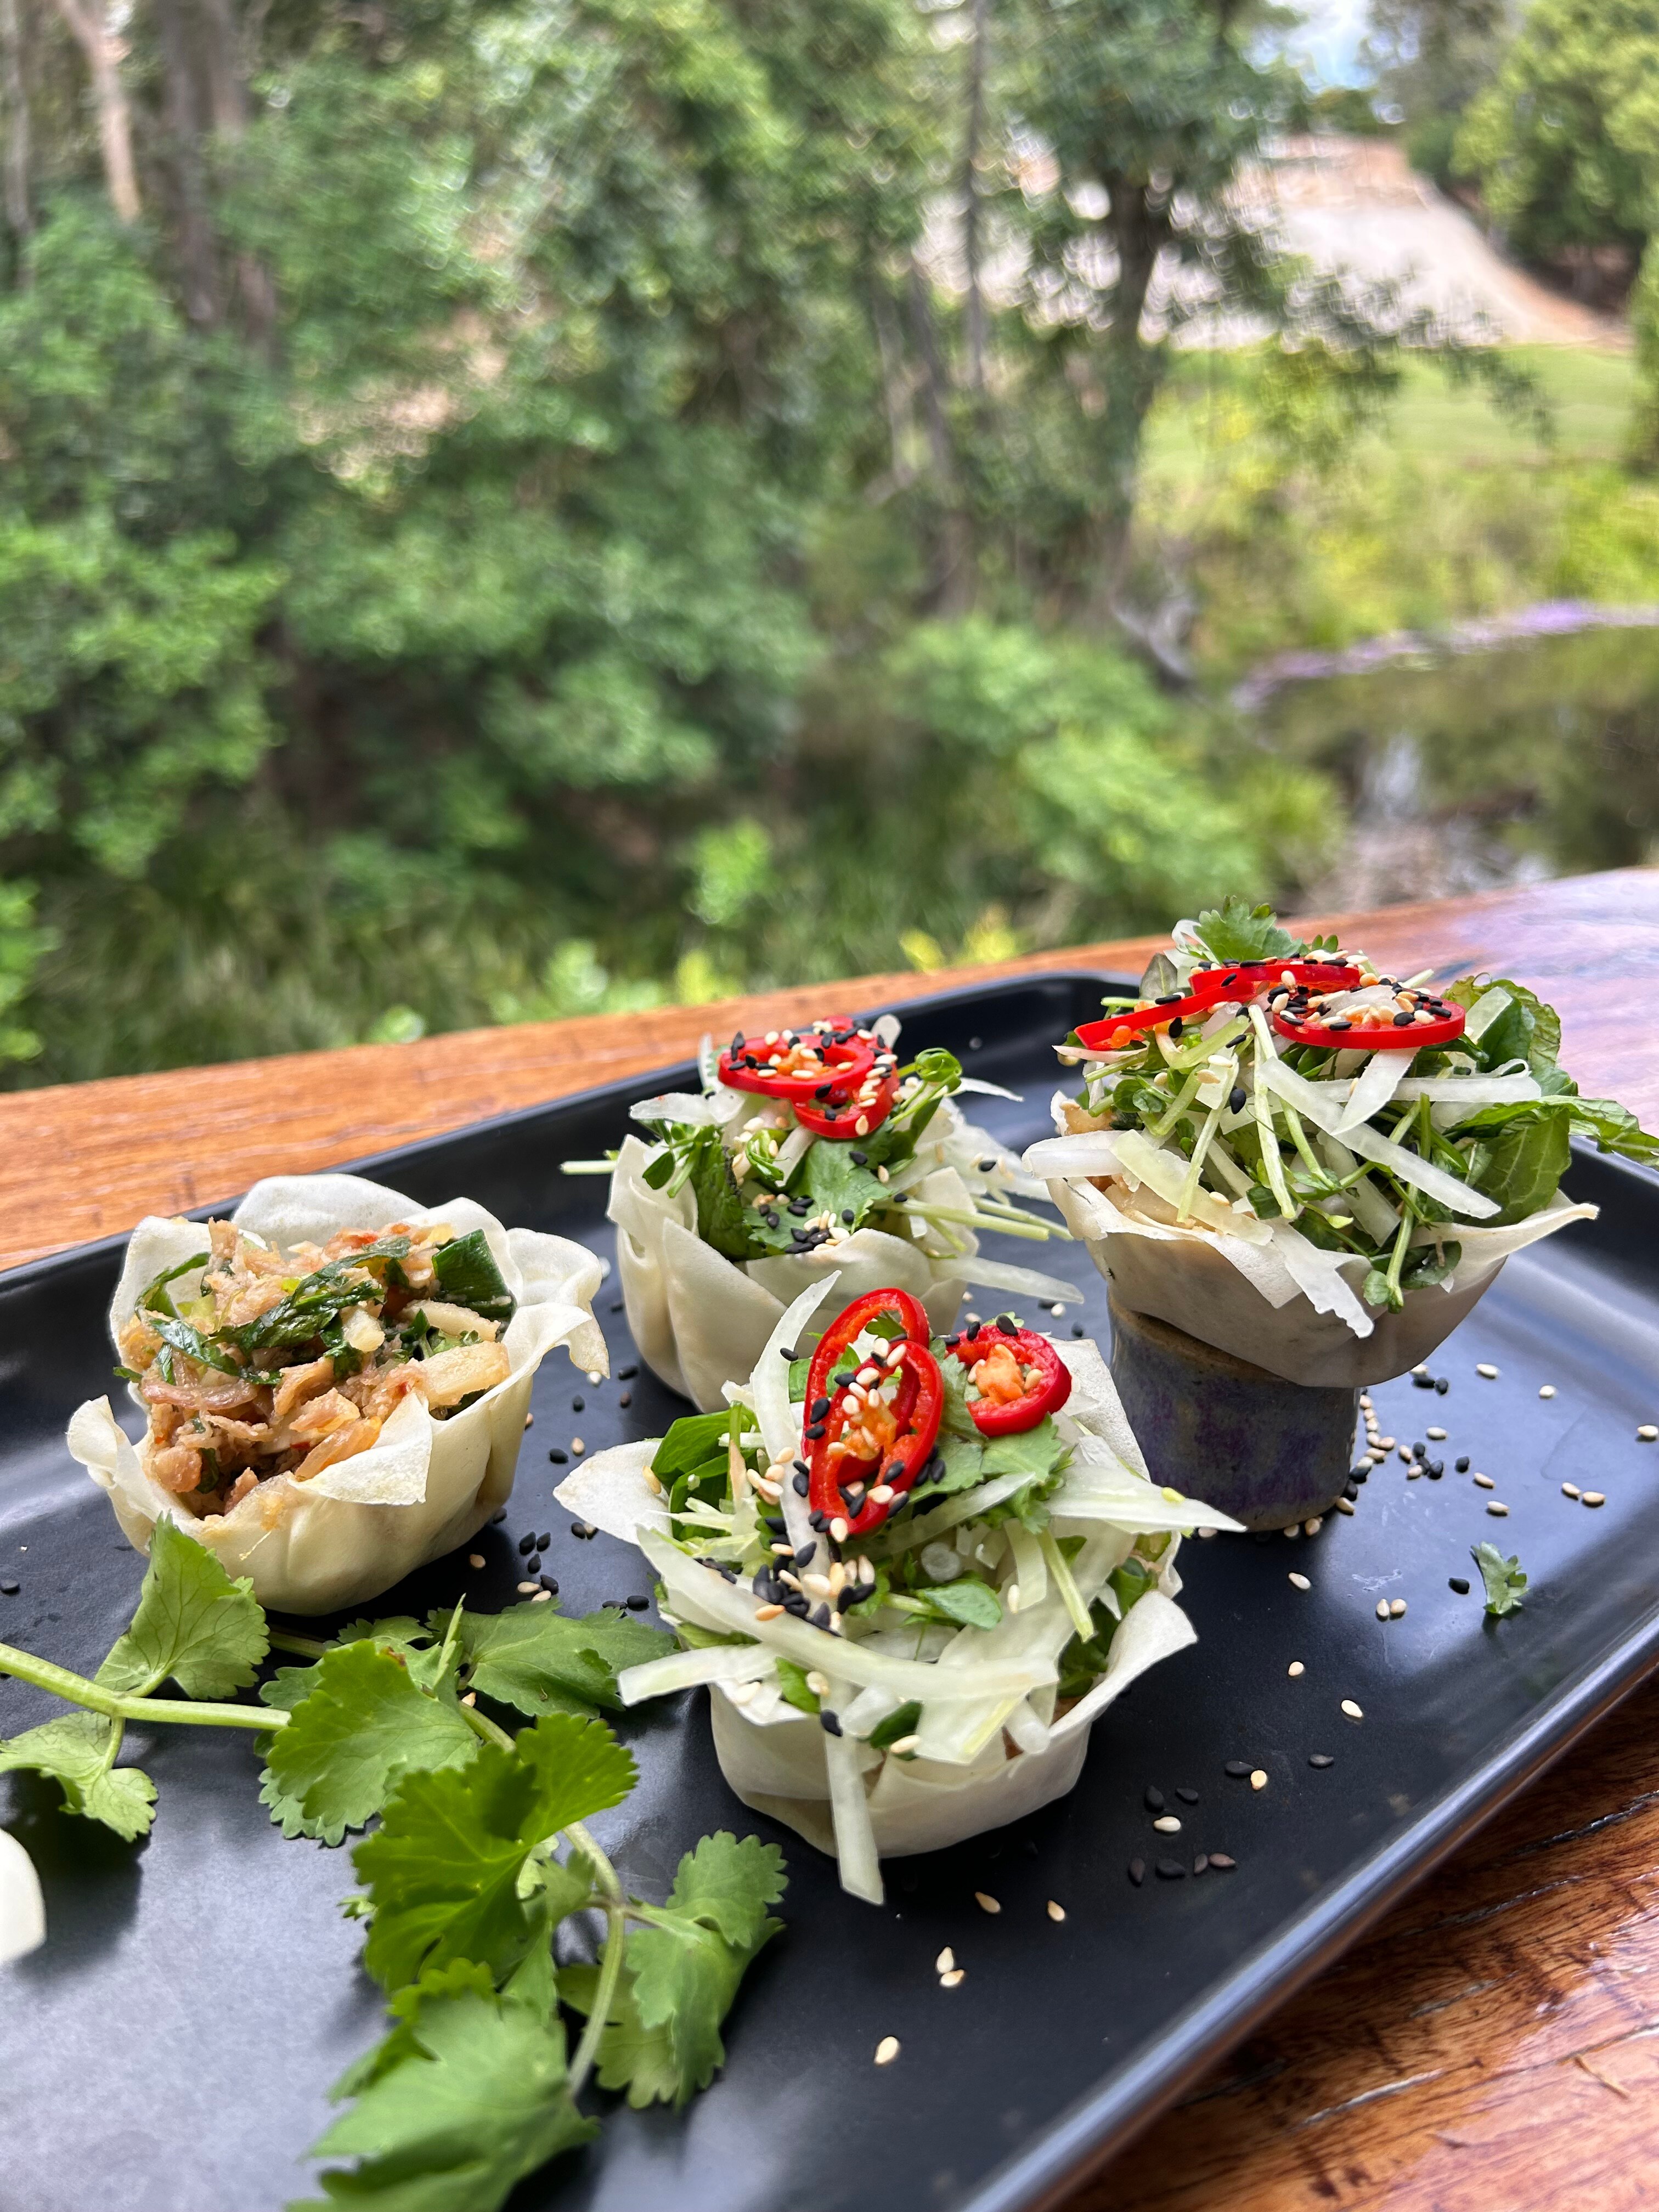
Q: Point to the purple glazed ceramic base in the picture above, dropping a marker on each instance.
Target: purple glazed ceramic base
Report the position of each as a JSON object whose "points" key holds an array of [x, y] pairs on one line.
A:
{"points": [[1267, 1451]]}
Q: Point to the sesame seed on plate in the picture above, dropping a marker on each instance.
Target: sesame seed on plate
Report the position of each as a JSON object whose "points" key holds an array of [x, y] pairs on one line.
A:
{"points": [[1137, 1871], [1221, 1859], [986, 1903], [954, 1979], [1547, 1390], [530, 1421], [1259, 1778], [1239, 1768], [475, 1558], [1166, 1825], [1487, 1371], [946, 1961], [1295, 1669], [1497, 1512], [1435, 1435], [525, 1588], [1570, 1490], [1647, 1434], [887, 2051], [1343, 1505], [1301, 1582], [1485, 1482], [1055, 1912], [1352, 1710], [1405, 1453], [1381, 1608], [1593, 1498], [1386, 1444], [578, 1446], [1321, 1759], [542, 1597], [1312, 1527], [1397, 1609]]}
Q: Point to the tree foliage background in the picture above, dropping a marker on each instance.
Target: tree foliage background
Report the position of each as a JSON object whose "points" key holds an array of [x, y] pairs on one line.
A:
{"points": [[514, 505]]}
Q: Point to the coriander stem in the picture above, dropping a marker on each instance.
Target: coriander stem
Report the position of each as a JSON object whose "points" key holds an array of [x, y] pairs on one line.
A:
{"points": [[76, 1690], [304, 1647], [483, 1727], [609, 1964]]}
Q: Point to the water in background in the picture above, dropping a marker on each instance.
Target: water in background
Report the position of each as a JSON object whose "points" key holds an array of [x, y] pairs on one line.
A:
{"points": [[1500, 767]]}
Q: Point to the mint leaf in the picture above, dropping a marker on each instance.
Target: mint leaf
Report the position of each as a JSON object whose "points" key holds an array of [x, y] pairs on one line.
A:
{"points": [[1236, 931], [905, 1720], [1502, 1578], [363, 1725], [442, 1870], [969, 1602], [792, 1685], [78, 1750], [533, 1657], [192, 1623], [474, 2098], [682, 1970]]}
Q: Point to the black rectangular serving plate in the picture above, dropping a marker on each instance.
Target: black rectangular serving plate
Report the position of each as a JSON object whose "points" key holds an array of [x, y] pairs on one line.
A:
{"points": [[170, 2049]]}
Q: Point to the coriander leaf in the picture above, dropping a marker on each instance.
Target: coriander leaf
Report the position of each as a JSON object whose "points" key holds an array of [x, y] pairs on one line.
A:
{"points": [[792, 1684], [364, 1726], [442, 1870], [192, 1623], [964, 1462], [466, 1269], [694, 1438], [967, 1601], [78, 1750], [1038, 1450], [534, 1657], [830, 1177], [681, 1972], [733, 1229], [1502, 1578], [1236, 931], [477, 2100], [400, 2042], [955, 1419]]}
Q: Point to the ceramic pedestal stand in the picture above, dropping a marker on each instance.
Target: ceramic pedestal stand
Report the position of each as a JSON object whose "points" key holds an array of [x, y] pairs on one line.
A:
{"points": [[1213, 1426]]}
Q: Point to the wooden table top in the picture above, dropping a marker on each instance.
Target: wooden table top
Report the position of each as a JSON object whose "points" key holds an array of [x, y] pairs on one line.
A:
{"points": [[1490, 2046]]}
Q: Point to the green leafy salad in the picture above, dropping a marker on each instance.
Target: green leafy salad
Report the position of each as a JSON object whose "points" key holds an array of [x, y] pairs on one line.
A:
{"points": [[478, 1856], [976, 1626], [1334, 1130]]}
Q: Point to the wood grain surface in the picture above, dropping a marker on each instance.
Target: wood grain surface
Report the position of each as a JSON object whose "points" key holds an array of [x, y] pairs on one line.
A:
{"points": [[1493, 2046]]}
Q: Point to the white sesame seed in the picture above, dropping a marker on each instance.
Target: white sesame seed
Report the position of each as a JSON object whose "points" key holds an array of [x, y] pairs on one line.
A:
{"points": [[1055, 1912], [742, 1694], [1435, 1435], [1011, 1597], [470, 1698], [1414, 1473], [1343, 1505], [525, 1588], [1259, 1778], [769, 1611], [1296, 1669], [905, 1744], [1547, 1390], [818, 1684], [1386, 1444], [541, 1597], [887, 2051], [594, 1376], [475, 1558], [1489, 1373], [1293, 1532], [1483, 1482], [1397, 1609], [578, 1446], [1352, 1710], [1593, 1498], [954, 1979], [652, 1484], [1301, 1582], [838, 1529], [1056, 1309], [530, 1421], [1166, 1825], [1381, 1608], [986, 1903], [1570, 1490], [1406, 1452], [1312, 1527], [1497, 1512], [1647, 1434], [946, 1961]]}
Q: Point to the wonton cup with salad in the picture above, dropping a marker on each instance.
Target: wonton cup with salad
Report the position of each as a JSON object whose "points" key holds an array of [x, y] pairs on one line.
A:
{"points": [[806, 1150], [334, 1380], [1309, 1164], [912, 1568]]}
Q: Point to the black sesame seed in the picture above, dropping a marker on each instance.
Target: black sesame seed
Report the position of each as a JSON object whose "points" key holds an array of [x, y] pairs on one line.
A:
{"points": [[973, 1330], [1235, 1098], [550, 1586], [819, 1616], [1175, 1027], [814, 1432], [532, 1565], [1458, 1583], [806, 1553], [527, 1541], [1403, 1021], [10, 1587], [1076, 1328], [1007, 1324], [797, 1604], [800, 1484], [850, 1596], [544, 1540], [819, 1521], [1321, 1759], [1442, 1384], [860, 1159], [579, 1405], [773, 1522], [1239, 1768], [1351, 1491], [1462, 1465], [1188, 1796], [1170, 1869], [1137, 1871], [626, 1374], [616, 1305], [1361, 1474], [848, 1216], [820, 1409], [637, 1604], [626, 1398], [1437, 1468], [1422, 1381], [557, 1458], [1153, 1801]]}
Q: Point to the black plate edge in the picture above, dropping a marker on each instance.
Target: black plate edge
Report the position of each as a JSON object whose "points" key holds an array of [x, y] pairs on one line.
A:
{"points": [[623, 1091], [1094, 2131]]}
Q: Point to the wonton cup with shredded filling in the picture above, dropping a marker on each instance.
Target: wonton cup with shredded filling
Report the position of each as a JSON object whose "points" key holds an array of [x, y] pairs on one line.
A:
{"points": [[334, 1381]]}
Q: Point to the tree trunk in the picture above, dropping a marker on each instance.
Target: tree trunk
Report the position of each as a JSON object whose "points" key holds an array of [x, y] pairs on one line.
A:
{"points": [[1139, 230], [955, 584], [90, 29], [14, 92], [971, 242], [198, 258], [226, 62]]}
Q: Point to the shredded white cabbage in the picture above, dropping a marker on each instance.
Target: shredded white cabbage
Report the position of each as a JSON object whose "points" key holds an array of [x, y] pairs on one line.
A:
{"points": [[1310, 1100]]}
